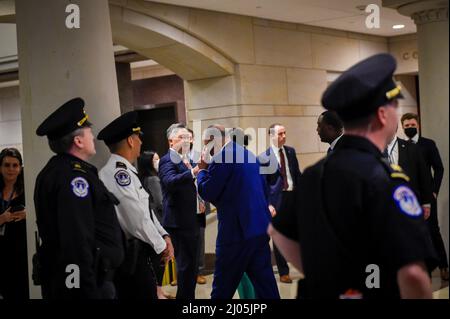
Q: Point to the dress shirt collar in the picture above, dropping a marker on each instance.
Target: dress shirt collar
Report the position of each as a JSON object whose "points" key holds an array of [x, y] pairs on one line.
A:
{"points": [[276, 149], [333, 144]]}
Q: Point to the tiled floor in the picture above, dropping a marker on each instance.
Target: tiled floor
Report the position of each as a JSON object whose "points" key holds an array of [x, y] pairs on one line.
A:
{"points": [[289, 291]]}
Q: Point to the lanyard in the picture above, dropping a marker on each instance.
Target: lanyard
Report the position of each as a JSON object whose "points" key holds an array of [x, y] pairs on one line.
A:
{"points": [[391, 159]]}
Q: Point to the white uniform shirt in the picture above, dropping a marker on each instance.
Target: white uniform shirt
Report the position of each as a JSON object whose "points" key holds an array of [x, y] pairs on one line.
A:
{"points": [[133, 212]]}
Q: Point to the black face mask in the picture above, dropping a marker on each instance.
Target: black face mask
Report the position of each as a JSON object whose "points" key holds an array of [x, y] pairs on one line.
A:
{"points": [[411, 131]]}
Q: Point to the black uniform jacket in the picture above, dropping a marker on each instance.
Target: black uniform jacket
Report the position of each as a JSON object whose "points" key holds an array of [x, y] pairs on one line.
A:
{"points": [[78, 226]]}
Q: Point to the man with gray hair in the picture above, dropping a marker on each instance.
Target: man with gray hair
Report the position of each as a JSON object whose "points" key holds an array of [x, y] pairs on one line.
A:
{"points": [[180, 208]]}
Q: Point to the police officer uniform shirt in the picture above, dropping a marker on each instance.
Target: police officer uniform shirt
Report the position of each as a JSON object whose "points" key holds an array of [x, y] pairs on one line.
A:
{"points": [[135, 218], [121, 178], [355, 214]]}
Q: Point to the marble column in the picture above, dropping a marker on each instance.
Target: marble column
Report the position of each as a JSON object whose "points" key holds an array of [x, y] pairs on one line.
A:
{"points": [[431, 18], [57, 63]]}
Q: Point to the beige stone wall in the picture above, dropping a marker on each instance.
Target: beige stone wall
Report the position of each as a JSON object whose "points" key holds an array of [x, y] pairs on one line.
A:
{"points": [[405, 50], [409, 103], [280, 69], [10, 119], [280, 76]]}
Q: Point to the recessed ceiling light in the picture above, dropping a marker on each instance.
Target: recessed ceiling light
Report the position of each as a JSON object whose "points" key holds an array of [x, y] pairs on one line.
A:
{"points": [[398, 26]]}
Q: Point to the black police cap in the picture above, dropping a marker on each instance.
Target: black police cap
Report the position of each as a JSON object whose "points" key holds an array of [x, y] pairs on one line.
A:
{"points": [[66, 119], [119, 129], [363, 88]]}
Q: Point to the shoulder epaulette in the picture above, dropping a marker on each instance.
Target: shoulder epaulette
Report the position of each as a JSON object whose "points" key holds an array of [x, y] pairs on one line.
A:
{"points": [[395, 171], [77, 167], [121, 165]]}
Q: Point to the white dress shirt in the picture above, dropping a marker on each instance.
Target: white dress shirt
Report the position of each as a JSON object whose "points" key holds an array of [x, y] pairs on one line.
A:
{"points": [[415, 138], [133, 212], [392, 150], [276, 150], [184, 158], [333, 144]]}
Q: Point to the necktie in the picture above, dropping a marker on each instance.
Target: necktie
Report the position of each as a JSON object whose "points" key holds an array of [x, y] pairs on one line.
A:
{"points": [[283, 170], [187, 162], [329, 150]]}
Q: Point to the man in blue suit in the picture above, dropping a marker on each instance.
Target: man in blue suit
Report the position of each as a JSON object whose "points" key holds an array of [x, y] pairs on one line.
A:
{"points": [[282, 179], [234, 185], [180, 208]]}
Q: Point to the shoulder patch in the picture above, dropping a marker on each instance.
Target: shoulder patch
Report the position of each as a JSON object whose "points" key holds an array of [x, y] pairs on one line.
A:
{"points": [[122, 178], [80, 187], [121, 165], [407, 201]]}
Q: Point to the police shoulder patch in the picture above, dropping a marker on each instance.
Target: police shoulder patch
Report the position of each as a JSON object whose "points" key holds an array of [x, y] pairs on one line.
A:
{"points": [[121, 165], [122, 178], [407, 201], [80, 187]]}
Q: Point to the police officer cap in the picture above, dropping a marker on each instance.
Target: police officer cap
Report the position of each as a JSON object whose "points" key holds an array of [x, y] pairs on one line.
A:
{"points": [[363, 88], [119, 129], [66, 119]]}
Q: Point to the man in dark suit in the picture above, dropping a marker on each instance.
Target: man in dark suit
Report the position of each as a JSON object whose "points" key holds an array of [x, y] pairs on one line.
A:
{"points": [[203, 208], [330, 129], [233, 183], [180, 208], [282, 182], [410, 124], [410, 159]]}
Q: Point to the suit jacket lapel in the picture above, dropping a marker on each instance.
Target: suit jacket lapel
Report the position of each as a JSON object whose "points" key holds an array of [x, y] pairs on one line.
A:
{"points": [[401, 153], [273, 157]]}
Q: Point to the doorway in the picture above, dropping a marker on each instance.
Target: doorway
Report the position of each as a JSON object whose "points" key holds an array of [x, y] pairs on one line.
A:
{"points": [[154, 123]]}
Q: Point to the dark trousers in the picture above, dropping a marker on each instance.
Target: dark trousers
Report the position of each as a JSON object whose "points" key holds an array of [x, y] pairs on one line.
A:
{"points": [[252, 257], [287, 203], [158, 268], [438, 243], [201, 251], [186, 245], [141, 283]]}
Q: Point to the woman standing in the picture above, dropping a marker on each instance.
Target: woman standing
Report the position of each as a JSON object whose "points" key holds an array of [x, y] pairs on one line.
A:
{"points": [[13, 234], [148, 164], [148, 174]]}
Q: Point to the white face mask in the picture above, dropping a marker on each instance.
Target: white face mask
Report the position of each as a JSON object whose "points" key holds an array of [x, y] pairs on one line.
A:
{"points": [[156, 165]]}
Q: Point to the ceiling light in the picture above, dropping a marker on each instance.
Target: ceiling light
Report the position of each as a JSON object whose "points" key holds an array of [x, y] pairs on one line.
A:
{"points": [[398, 26]]}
